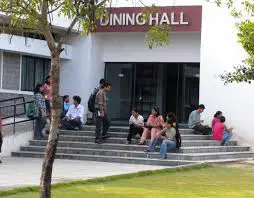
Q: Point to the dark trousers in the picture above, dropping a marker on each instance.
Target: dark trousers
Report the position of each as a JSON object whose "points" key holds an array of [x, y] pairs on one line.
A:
{"points": [[1, 142], [201, 130], [62, 115], [133, 131], [71, 124], [104, 123], [39, 126]]}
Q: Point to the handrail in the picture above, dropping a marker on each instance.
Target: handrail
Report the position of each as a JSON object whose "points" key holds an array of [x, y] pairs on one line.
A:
{"points": [[16, 104], [14, 114], [6, 100]]}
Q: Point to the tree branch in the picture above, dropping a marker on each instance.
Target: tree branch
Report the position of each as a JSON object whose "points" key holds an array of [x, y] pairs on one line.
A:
{"points": [[68, 32], [55, 9], [44, 9]]}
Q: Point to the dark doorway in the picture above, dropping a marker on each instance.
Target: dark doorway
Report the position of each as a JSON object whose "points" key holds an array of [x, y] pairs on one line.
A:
{"points": [[169, 86]]}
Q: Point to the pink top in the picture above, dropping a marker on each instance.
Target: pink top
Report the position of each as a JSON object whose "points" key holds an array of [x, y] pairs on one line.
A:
{"points": [[218, 131], [214, 121], [47, 91], [153, 120]]}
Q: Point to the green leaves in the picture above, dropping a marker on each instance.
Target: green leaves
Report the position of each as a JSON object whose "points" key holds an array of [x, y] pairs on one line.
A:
{"points": [[158, 36], [243, 10]]}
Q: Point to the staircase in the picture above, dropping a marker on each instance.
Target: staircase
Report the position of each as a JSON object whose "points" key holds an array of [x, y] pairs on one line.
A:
{"points": [[79, 145]]}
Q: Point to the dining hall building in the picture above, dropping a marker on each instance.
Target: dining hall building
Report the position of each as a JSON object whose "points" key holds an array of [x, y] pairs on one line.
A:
{"points": [[175, 77]]}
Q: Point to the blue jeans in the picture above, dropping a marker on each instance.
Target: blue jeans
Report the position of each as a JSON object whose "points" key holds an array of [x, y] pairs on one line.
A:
{"points": [[165, 146], [153, 144], [226, 137]]}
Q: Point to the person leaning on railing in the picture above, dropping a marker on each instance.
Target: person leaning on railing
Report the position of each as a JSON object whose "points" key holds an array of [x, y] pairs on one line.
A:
{"points": [[1, 135]]}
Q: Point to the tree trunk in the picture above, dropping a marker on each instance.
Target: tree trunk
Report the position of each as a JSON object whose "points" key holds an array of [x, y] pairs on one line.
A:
{"points": [[50, 152]]}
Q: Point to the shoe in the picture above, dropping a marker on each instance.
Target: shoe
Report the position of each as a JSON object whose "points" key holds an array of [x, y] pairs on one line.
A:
{"points": [[1, 162], [141, 143], [128, 142], [147, 151], [97, 141]]}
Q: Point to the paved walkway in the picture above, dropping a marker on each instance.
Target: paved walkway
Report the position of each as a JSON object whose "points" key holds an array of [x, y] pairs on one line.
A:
{"points": [[18, 172]]}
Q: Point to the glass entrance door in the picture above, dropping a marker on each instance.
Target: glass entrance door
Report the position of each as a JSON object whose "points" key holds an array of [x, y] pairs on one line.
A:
{"points": [[134, 85], [173, 87], [120, 98], [145, 87]]}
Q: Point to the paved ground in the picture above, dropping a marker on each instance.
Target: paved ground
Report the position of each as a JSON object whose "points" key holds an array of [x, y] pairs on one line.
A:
{"points": [[17, 172]]}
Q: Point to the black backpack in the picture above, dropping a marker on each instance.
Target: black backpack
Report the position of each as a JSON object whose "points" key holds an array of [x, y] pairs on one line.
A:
{"points": [[91, 100]]}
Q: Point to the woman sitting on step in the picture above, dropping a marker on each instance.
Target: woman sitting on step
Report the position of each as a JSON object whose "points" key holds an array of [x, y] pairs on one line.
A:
{"points": [[169, 137], [221, 133], [153, 126]]}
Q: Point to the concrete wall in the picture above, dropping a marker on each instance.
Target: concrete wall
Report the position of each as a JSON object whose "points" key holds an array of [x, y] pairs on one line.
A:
{"points": [[132, 47], [14, 142], [81, 75], [219, 52], [29, 46]]}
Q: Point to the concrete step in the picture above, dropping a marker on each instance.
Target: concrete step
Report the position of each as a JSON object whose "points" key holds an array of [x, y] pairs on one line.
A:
{"points": [[132, 147], [142, 154], [128, 160], [186, 143], [214, 149], [126, 129], [123, 140], [118, 134]]}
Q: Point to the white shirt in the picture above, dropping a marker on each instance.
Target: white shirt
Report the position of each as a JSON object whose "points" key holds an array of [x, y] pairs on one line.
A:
{"points": [[74, 112], [137, 121]]}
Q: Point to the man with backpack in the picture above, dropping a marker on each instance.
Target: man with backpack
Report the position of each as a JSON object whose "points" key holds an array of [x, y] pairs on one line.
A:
{"points": [[91, 102], [101, 113]]}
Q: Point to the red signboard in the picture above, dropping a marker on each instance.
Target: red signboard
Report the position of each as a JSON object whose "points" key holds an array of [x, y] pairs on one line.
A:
{"points": [[129, 19]]}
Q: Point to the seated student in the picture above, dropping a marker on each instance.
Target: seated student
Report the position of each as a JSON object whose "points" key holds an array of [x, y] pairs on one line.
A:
{"points": [[136, 123], [195, 122], [216, 118], [74, 117], [169, 137], [153, 126], [221, 133], [66, 105]]}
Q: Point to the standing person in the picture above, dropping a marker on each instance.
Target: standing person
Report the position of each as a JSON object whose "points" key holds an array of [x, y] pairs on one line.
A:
{"points": [[46, 89], [153, 126], [74, 118], [136, 124], [101, 113], [1, 135], [40, 111], [91, 100], [221, 133], [195, 121]]}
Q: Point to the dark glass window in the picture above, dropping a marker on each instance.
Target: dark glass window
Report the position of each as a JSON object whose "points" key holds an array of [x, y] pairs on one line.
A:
{"points": [[34, 70]]}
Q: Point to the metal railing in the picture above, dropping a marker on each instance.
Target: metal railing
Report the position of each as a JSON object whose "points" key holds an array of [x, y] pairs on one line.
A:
{"points": [[15, 110], [7, 111]]}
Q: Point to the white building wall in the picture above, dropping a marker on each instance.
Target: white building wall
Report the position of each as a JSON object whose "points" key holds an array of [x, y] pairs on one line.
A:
{"points": [[30, 46], [132, 47], [81, 75], [220, 52]]}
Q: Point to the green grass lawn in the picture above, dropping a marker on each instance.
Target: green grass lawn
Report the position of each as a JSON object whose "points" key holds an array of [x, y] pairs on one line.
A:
{"points": [[216, 182]]}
